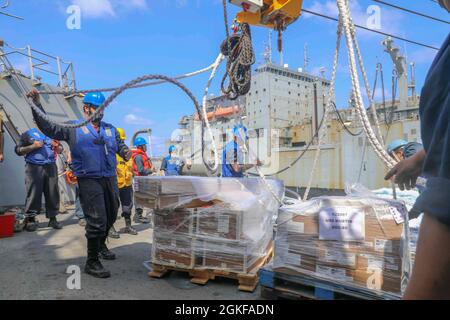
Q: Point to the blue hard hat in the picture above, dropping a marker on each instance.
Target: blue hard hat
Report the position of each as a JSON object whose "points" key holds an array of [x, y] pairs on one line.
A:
{"points": [[394, 145], [140, 142], [95, 99], [237, 129], [172, 148]]}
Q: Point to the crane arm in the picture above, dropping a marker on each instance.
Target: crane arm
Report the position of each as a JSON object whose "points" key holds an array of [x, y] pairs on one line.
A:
{"points": [[275, 14]]}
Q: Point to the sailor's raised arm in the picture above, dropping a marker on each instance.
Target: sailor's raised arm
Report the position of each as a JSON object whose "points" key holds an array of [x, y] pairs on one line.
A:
{"points": [[51, 130]]}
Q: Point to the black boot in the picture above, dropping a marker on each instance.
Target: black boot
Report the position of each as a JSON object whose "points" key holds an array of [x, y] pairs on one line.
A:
{"points": [[53, 223], [31, 224], [104, 251], [128, 228], [113, 233], [93, 265], [139, 218]]}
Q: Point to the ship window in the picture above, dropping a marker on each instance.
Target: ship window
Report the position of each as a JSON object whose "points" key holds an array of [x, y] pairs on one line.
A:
{"points": [[256, 91], [264, 89], [289, 83], [289, 92], [413, 131]]}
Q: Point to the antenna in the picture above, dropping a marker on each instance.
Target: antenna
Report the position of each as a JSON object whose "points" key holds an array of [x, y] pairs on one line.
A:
{"points": [[305, 58], [268, 49]]}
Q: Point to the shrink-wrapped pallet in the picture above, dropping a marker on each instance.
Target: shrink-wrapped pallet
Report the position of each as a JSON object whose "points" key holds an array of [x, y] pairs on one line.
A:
{"points": [[212, 223], [356, 242]]}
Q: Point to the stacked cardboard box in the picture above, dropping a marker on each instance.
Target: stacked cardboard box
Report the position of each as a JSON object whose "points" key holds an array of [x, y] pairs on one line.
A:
{"points": [[349, 241], [209, 223]]}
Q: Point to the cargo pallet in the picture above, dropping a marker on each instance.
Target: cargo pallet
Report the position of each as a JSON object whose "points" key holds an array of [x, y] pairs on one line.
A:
{"points": [[248, 282], [277, 285]]}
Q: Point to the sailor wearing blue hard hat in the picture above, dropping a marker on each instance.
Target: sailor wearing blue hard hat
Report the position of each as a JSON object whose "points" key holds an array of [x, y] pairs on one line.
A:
{"points": [[173, 164], [94, 148], [233, 155]]}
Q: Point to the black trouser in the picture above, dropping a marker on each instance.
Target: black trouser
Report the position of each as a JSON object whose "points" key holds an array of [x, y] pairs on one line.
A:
{"points": [[100, 202], [41, 179], [126, 200]]}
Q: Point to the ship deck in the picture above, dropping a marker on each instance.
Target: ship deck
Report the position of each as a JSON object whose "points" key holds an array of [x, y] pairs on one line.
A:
{"points": [[33, 266]]}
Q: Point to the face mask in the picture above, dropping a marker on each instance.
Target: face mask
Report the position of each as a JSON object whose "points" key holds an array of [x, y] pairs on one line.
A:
{"points": [[98, 118]]}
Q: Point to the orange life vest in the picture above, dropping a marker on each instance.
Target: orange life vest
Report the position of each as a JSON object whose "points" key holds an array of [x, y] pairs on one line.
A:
{"points": [[147, 162]]}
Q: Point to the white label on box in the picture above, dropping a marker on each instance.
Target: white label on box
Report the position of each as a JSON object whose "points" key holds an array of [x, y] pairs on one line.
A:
{"points": [[345, 259], [223, 225], [294, 259], [383, 245], [296, 227], [398, 217], [136, 185], [341, 224], [375, 264], [368, 244], [333, 273], [392, 267]]}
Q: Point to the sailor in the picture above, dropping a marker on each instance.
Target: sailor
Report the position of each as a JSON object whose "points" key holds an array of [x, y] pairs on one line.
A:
{"points": [[430, 278], [125, 183], [93, 148], [173, 165], [233, 154], [401, 149], [41, 177], [142, 167]]}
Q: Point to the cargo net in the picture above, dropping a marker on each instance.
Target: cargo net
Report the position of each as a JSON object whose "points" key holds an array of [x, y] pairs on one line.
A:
{"points": [[210, 223], [356, 245]]}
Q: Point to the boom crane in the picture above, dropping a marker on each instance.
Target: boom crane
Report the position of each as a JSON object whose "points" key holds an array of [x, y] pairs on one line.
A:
{"points": [[275, 14]]}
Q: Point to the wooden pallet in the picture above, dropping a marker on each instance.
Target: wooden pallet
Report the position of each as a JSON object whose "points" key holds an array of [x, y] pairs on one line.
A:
{"points": [[247, 281], [275, 286]]}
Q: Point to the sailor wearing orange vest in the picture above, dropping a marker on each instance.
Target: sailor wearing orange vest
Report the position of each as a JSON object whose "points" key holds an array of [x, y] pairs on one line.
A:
{"points": [[142, 166], [125, 183]]}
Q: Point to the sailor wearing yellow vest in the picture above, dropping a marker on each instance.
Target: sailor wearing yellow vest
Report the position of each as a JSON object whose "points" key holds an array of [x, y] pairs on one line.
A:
{"points": [[125, 182]]}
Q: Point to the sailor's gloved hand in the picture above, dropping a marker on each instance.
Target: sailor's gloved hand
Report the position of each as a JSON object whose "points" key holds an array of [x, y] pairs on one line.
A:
{"points": [[128, 155], [406, 172], [34, 95]]}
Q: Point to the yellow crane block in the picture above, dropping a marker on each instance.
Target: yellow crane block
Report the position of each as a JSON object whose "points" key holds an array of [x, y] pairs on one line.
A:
{"points": [[275, 14]]}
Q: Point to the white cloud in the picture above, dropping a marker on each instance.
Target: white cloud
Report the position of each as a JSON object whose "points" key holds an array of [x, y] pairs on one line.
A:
{"points": [[132, 119], [108, 8]]}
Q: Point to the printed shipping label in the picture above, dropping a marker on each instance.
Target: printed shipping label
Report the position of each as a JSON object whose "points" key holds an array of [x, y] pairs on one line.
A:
{"points": [[383, 245], [398, 217], [342, 224], [345, 259], [375, 264], [333, 273], [296, 227], [223, 224]]}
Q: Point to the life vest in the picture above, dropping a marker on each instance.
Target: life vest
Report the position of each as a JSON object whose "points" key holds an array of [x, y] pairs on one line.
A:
{"points": [[231, 153], [94, 153], [173, 166], [124, 172], [146, 160], [41, 156]]}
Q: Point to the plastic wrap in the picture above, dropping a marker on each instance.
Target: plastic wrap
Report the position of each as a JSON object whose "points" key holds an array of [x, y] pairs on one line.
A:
{"points": [[357, 242], [210, 223]]}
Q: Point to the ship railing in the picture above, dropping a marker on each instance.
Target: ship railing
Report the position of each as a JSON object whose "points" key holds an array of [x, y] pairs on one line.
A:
{"points": [[40, 62]]}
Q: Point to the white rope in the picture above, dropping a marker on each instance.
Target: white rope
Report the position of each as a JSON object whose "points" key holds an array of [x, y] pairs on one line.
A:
{"points": [[347, 24], [215, 66], [328, 110], [366, 84]]}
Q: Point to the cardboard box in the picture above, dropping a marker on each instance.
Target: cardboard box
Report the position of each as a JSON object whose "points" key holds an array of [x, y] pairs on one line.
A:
{"points": [[179, 221], [174, 250], [219, 223]]}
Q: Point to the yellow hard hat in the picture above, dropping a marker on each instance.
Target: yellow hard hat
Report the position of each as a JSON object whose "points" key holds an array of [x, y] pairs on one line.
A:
{"points": [[122, 134]]}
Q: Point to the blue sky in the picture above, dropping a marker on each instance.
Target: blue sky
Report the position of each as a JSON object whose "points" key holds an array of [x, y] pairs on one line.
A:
{"points": [[120, 40]]}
